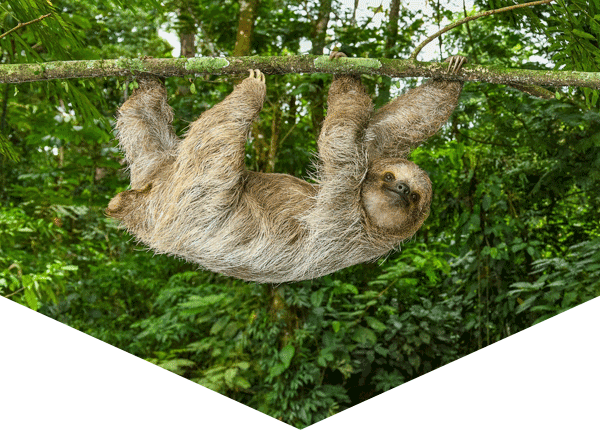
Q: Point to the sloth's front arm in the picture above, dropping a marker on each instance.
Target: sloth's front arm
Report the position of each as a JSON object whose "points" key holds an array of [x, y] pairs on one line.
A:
{"points": [[212, 154], [404, 123], [349, 109]]}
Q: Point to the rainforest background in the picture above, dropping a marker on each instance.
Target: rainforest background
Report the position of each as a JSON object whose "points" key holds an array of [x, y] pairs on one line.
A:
{"points": [[513, 237]]}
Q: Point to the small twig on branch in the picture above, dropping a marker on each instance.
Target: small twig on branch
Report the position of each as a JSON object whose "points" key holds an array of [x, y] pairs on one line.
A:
{"points": [[413, 56], [534, 90], [14, 292], [23, 24]]}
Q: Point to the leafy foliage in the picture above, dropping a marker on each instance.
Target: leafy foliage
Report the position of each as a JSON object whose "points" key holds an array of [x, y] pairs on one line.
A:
{"points": [[513, 237]]}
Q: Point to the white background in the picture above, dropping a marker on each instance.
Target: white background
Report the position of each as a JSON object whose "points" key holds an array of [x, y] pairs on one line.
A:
{"points": [[54, 377]]}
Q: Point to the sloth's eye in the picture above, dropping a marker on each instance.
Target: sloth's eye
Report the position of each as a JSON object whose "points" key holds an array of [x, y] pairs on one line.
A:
{"points": [[388, 177], [415, 197]]}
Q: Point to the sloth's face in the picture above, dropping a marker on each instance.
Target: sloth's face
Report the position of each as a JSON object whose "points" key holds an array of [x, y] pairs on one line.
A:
{"points": [[396, 196]]}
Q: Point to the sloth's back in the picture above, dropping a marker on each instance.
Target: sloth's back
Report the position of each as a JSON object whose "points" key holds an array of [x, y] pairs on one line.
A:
{"points": [[263, 237]]}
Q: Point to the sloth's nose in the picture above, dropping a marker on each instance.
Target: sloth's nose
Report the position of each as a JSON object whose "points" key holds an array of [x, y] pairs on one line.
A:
{"points": [[403, 188]]}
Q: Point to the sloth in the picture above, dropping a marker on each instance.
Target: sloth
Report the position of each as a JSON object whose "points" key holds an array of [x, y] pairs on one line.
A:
{"points": [[193, 197]]}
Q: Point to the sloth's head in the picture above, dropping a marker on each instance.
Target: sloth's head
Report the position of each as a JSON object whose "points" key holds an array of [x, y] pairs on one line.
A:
{"points": [[396, 196]]}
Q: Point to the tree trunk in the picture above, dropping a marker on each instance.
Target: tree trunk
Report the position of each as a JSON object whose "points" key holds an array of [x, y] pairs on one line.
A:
{"points": [[392, 27], [186, 29], [320, 27], [245, 27], [188, 45]]}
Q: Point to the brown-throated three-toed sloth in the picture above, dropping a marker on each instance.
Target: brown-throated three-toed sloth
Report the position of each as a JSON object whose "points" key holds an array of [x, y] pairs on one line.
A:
{"points": [[193, 198]]}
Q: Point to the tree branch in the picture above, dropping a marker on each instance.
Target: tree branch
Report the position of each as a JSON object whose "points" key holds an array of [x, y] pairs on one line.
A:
{"points": [[166, 67], [23, 24], [413, 56]]}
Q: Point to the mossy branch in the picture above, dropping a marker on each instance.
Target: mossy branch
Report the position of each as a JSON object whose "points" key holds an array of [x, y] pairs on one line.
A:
{"points": [[166, 67]]}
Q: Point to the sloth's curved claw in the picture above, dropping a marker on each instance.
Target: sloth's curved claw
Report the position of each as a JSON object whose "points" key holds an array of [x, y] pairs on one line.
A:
{"points": [[336, 54], [256, 74], [456, 63]]}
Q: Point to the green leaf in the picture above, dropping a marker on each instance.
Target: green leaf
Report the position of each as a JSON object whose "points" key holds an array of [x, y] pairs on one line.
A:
{"points": [[219, 325], [27, 281], [414, 360], [518, 247], [381, 350], [231, 330], [345, 288], [364, 335], [202, 301], [177, 365], [316, 298], [526, 304], [230, 374], [486, 202], [582, 33], [244, 365], [31, 299], [277, 370], [242, 382], [197, 304], [286, 355], [375, 324]]}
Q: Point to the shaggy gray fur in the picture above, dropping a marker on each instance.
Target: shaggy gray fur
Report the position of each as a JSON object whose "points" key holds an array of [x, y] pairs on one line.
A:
{"points": [[193, 198]]}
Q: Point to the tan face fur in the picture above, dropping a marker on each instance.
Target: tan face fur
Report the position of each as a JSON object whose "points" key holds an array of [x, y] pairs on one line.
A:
{"points": [[396, 196]]}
